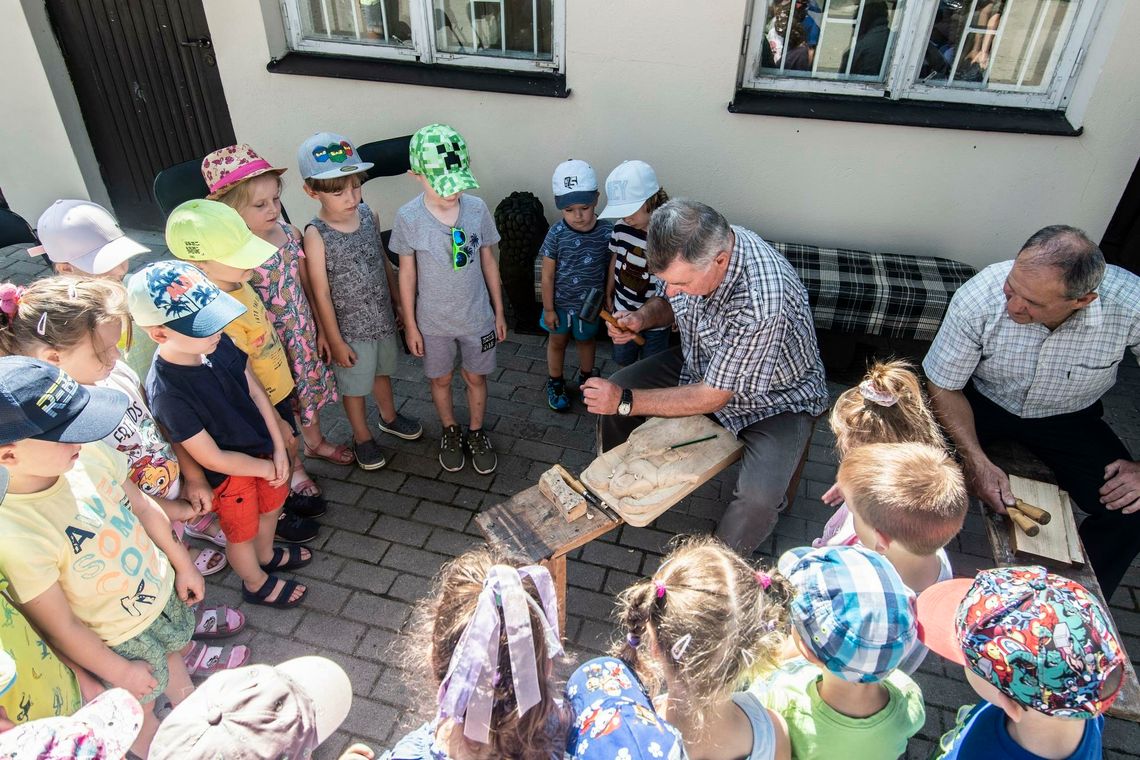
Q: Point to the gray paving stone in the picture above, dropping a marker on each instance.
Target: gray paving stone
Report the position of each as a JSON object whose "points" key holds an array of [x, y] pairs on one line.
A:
{"points": [[611, 555], [345, 517], [355, 546], [449, 542], [375, 610], [329, 630], [400, 531], [441, 515], [415, 561], [433, 490], [367, 577]]}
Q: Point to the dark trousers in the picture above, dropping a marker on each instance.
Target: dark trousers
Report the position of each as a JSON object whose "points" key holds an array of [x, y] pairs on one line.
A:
{"points": [[772, 450], [1076, 447]]}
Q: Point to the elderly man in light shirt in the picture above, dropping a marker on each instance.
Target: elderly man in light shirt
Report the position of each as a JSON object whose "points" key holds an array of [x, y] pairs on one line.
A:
{"points": [[1026, 351]]}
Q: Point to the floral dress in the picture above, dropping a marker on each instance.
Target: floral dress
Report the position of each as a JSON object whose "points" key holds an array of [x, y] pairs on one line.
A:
{"points": [[278, 282]]}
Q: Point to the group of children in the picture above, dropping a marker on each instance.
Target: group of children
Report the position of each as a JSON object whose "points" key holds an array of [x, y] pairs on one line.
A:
{"points": [[130, 416]]}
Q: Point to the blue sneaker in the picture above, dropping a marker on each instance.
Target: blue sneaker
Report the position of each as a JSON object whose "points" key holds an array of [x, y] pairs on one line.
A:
{"points": [[556, 397]]}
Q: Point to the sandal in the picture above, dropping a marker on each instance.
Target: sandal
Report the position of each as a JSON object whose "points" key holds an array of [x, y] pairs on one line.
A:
{"points": [[208, 561], [339, 454], [283, 600], [286, 558], [218, 622], [305, 487], [207, 528], [205, 660]]}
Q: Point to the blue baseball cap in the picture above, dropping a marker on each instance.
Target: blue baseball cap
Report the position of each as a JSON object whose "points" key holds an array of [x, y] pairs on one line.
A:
{"points": [[613, 716], [39, 400], [177, 295], [851, 609]]}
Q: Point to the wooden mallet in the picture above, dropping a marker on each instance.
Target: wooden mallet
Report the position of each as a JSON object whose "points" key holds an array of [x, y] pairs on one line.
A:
{"points": [[1036, 514], [592, 309]]}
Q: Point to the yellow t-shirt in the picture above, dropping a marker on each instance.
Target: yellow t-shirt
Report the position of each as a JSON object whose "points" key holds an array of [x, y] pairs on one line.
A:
{"points": [[253, 334], [82, 534], [34, 683]]}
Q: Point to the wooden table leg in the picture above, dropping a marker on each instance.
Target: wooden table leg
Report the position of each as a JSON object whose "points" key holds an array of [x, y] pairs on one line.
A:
{"points": [[556, 566]]}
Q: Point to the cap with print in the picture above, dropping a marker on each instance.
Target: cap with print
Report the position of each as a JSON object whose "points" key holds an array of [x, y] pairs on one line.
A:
{"points": [[439, 153], [629, 186], [1043, 640], [851, 609], [226, 168], [39, 400], [574, 182], [84, 235], [613, 717], [202, 230], [259, 711], [326, 156], [178, 295], [103, 729]]}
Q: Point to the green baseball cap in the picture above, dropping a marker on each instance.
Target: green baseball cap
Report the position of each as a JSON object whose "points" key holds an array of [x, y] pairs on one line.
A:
{"points": [[201, 230], [439, 153]]}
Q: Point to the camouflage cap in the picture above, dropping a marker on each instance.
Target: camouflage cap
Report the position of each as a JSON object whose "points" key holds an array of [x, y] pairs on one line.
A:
{"points": [[439, 153]]}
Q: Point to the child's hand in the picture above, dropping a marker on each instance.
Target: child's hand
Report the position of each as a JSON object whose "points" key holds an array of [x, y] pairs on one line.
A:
{"points": [[190, 585], [832, 497], [415, 340], [200, 496], [137, 677], [358, 752], [549, 316], [323, 349], [281, 469], [181, 510], [500, 327], [343, 355]]}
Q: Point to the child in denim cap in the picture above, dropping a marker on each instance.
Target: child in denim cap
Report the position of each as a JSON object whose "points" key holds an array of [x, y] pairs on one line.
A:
{"points": [[575, 258], [1040, 652], [207, 398], [90, 559], [853, 621], [450, 288], [354, 292]]}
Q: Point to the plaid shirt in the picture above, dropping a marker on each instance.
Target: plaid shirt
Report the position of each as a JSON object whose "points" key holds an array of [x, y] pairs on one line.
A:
{"points": [[753, 336], [1029, 370]]}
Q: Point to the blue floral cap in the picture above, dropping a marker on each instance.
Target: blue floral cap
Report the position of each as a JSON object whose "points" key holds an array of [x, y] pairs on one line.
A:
{"points": [[613, 717]]}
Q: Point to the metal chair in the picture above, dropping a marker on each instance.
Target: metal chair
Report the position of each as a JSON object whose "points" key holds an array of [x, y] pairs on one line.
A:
{"points": [[14, 230]]}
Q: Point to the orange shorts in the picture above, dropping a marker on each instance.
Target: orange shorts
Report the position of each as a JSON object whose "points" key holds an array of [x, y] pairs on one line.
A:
{"points": [[241, 500]]}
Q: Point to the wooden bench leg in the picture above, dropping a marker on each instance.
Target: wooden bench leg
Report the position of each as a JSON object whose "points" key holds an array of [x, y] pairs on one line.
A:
{"points": [[556, 566]]}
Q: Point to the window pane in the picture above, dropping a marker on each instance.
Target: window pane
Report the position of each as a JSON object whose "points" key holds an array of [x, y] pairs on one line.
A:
{"points": [[378, 22], [997, 44], [849, 40], [502, 28]]}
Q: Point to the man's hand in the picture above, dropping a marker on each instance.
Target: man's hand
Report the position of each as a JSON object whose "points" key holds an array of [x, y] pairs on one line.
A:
{"points": [[1121, 489], [990, 484], [137, 677], [832, 497], [343, 355], [190, 585], [602, 396], [631, 324]]}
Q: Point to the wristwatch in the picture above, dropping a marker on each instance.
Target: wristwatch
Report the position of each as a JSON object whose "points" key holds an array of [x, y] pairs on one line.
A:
{"points": [[625, 406]]}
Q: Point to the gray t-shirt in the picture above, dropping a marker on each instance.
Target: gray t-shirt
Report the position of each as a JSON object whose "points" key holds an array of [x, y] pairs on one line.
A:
{"points": [[451, 294]]}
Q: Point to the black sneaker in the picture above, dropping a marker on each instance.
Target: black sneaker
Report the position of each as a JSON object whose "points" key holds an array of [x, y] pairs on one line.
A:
{"points": [[483, 457], [296, 530], [368, 455], [305, 506], [451, 449], [402, 427]]}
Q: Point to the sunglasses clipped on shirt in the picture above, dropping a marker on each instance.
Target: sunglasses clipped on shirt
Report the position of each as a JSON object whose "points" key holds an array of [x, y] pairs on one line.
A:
{"points": [[459, 256]]}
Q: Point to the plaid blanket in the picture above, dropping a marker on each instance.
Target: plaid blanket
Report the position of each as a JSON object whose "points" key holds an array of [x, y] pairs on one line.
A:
{"points": [[876, 293]]}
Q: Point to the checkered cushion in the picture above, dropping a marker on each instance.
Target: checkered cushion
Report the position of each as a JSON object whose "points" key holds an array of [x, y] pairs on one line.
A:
{"points": [[887, 294]]}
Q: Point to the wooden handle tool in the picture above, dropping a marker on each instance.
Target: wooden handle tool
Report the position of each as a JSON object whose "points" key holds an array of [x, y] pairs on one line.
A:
{"points": [[610, 318], [586, 493], [1036, 514], [1019, 518]]}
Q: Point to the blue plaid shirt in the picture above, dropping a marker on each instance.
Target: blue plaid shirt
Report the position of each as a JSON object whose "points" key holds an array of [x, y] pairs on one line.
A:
{"points": [[753, 336]]}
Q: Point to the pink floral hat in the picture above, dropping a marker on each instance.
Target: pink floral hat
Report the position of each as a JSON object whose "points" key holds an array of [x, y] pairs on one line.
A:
{"points": [[228, 166]]}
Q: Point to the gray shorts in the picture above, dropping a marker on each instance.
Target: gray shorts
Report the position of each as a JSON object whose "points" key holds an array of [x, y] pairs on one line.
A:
{"points": [[476, 351], [373, 358]]}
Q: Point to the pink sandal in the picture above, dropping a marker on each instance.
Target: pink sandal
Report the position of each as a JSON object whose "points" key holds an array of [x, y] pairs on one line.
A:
{"points": [[205, 660], [206, 528], [340, 453], [218, 622], [209, 561]]}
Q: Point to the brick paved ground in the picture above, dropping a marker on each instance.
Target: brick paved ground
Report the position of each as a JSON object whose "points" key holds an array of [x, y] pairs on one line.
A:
{"points": [[388, 531]]}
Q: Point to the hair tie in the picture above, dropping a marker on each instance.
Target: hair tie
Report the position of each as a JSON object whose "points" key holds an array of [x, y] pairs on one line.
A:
{"points": [[72, 292], [660, 586], [876, 395], [763, 579], [679, 647], [633, 641], [10, 299], [41, 325]]}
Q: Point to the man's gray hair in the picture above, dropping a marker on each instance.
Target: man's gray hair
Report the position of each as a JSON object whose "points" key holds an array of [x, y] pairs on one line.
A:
{"points": [[686, 229], [1068, 249]]}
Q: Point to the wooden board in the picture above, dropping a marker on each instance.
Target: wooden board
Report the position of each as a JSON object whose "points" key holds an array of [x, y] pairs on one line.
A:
{"points": [[702, 460], [1056, 540], [530, 528]]}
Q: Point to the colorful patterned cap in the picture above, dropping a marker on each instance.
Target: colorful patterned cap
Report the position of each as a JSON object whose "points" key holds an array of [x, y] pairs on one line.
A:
{"points": [[439, 153], [226, 167], [178, 295], [1041, 639], [326, 155], [103, 729], [613, 717], [851, 609]]}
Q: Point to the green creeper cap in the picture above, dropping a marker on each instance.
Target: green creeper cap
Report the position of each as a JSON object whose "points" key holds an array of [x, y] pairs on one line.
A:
{"points": [[439, 153], [201, 230]]}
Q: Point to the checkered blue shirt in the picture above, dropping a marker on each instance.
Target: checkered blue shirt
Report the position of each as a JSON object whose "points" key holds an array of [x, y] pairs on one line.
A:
{"points": [[1029, 370], [753, 336]]}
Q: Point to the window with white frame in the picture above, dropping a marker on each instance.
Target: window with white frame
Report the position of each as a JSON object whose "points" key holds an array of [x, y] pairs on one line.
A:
{"points": [[521, 35], [1016, 53]]}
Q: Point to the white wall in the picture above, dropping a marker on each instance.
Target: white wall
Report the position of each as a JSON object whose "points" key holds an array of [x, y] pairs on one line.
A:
{"points": [[48, 153]]}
